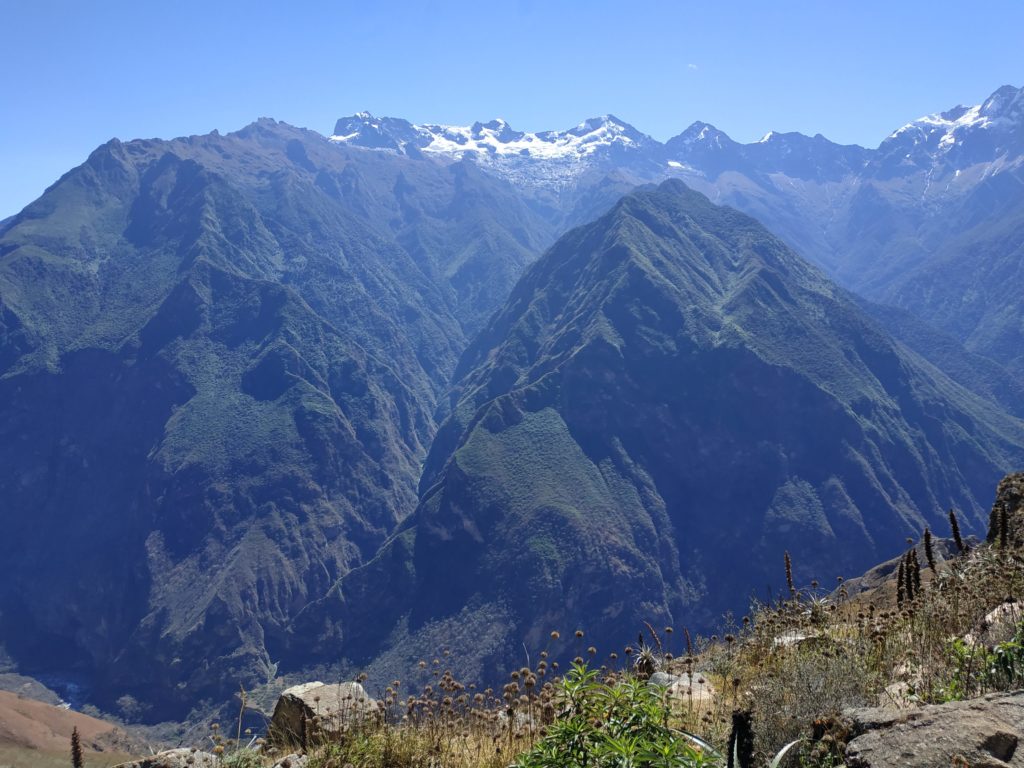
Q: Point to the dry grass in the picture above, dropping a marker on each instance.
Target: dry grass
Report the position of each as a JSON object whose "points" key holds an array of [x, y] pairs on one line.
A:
{"points": [[800, 663], [457, 725], [794, 666]]}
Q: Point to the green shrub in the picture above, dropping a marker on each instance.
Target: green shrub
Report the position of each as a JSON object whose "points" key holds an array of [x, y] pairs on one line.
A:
{"points": [[978, 669], [621, 724], [243, 758]]}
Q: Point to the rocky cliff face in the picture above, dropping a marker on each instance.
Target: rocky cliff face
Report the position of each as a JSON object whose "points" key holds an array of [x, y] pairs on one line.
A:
{"points": [[1010, 501]]}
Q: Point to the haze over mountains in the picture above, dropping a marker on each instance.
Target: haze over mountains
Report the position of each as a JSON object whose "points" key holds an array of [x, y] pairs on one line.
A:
{"points": [[934, 209], [270, 399]]}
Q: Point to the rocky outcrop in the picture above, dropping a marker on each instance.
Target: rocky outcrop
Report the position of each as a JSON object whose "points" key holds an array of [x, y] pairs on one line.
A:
{"points": [[175, 758], [999, 625], [305, 713], [1010, 496], [981, 733], [684, 687], [880, 581]]}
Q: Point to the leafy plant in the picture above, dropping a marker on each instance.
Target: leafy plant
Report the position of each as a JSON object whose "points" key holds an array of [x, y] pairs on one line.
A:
{"points": [[621, 724], [978, 669], [1006, 662]]}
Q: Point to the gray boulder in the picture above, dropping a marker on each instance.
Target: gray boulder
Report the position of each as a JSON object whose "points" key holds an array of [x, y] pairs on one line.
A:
{"points": [[662, 679], [312, 711], [982, 733], [682, 687], [292, 761], [999, 625]]}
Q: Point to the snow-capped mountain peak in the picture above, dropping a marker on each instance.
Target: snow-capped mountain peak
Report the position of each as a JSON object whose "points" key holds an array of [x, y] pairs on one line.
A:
{"points": [[942, 126], [365, 130], [1006, 103], [496, 144], [947, 142], [935, 135], [498, 128], [700, 138], [494, 137]]}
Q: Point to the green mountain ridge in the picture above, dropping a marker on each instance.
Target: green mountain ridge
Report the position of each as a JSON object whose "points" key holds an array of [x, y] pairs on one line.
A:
{"points": [[668, 400], [929, 221], [219, 362]]}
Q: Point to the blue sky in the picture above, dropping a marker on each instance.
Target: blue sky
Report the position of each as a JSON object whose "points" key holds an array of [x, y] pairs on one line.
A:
{"points": [[74, 74]]}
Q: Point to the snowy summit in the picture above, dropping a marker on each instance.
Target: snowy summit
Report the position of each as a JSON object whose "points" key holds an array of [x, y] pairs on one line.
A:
{"points": [[565, 154]]}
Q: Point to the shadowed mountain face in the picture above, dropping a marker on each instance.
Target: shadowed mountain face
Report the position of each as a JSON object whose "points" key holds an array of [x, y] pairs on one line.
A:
{"points": [[932, 221], [669, 399], [219, 363]]}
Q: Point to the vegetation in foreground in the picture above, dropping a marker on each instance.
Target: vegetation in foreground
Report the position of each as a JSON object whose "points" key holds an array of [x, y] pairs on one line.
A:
{"points": [[769, 691]]}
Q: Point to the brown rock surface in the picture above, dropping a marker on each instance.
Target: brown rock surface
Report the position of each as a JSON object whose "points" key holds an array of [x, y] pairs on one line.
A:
{"points": [[983, 733]]}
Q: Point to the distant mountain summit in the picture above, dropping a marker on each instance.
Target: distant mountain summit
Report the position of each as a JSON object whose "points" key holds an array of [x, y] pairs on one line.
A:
{"points": [[931, 221], [546, 159], [492, 138], [961, 136], [704, 149]]}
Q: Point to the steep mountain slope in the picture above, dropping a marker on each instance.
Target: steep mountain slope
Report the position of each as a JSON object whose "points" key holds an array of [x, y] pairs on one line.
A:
{"points": [[36, 734], [977, 373], [931, 221], [669, 399], [219, 362]]}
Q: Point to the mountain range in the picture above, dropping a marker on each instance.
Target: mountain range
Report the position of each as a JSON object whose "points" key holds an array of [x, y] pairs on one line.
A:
{"points": [[930, 221], [270, 400], [219, 362]]}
